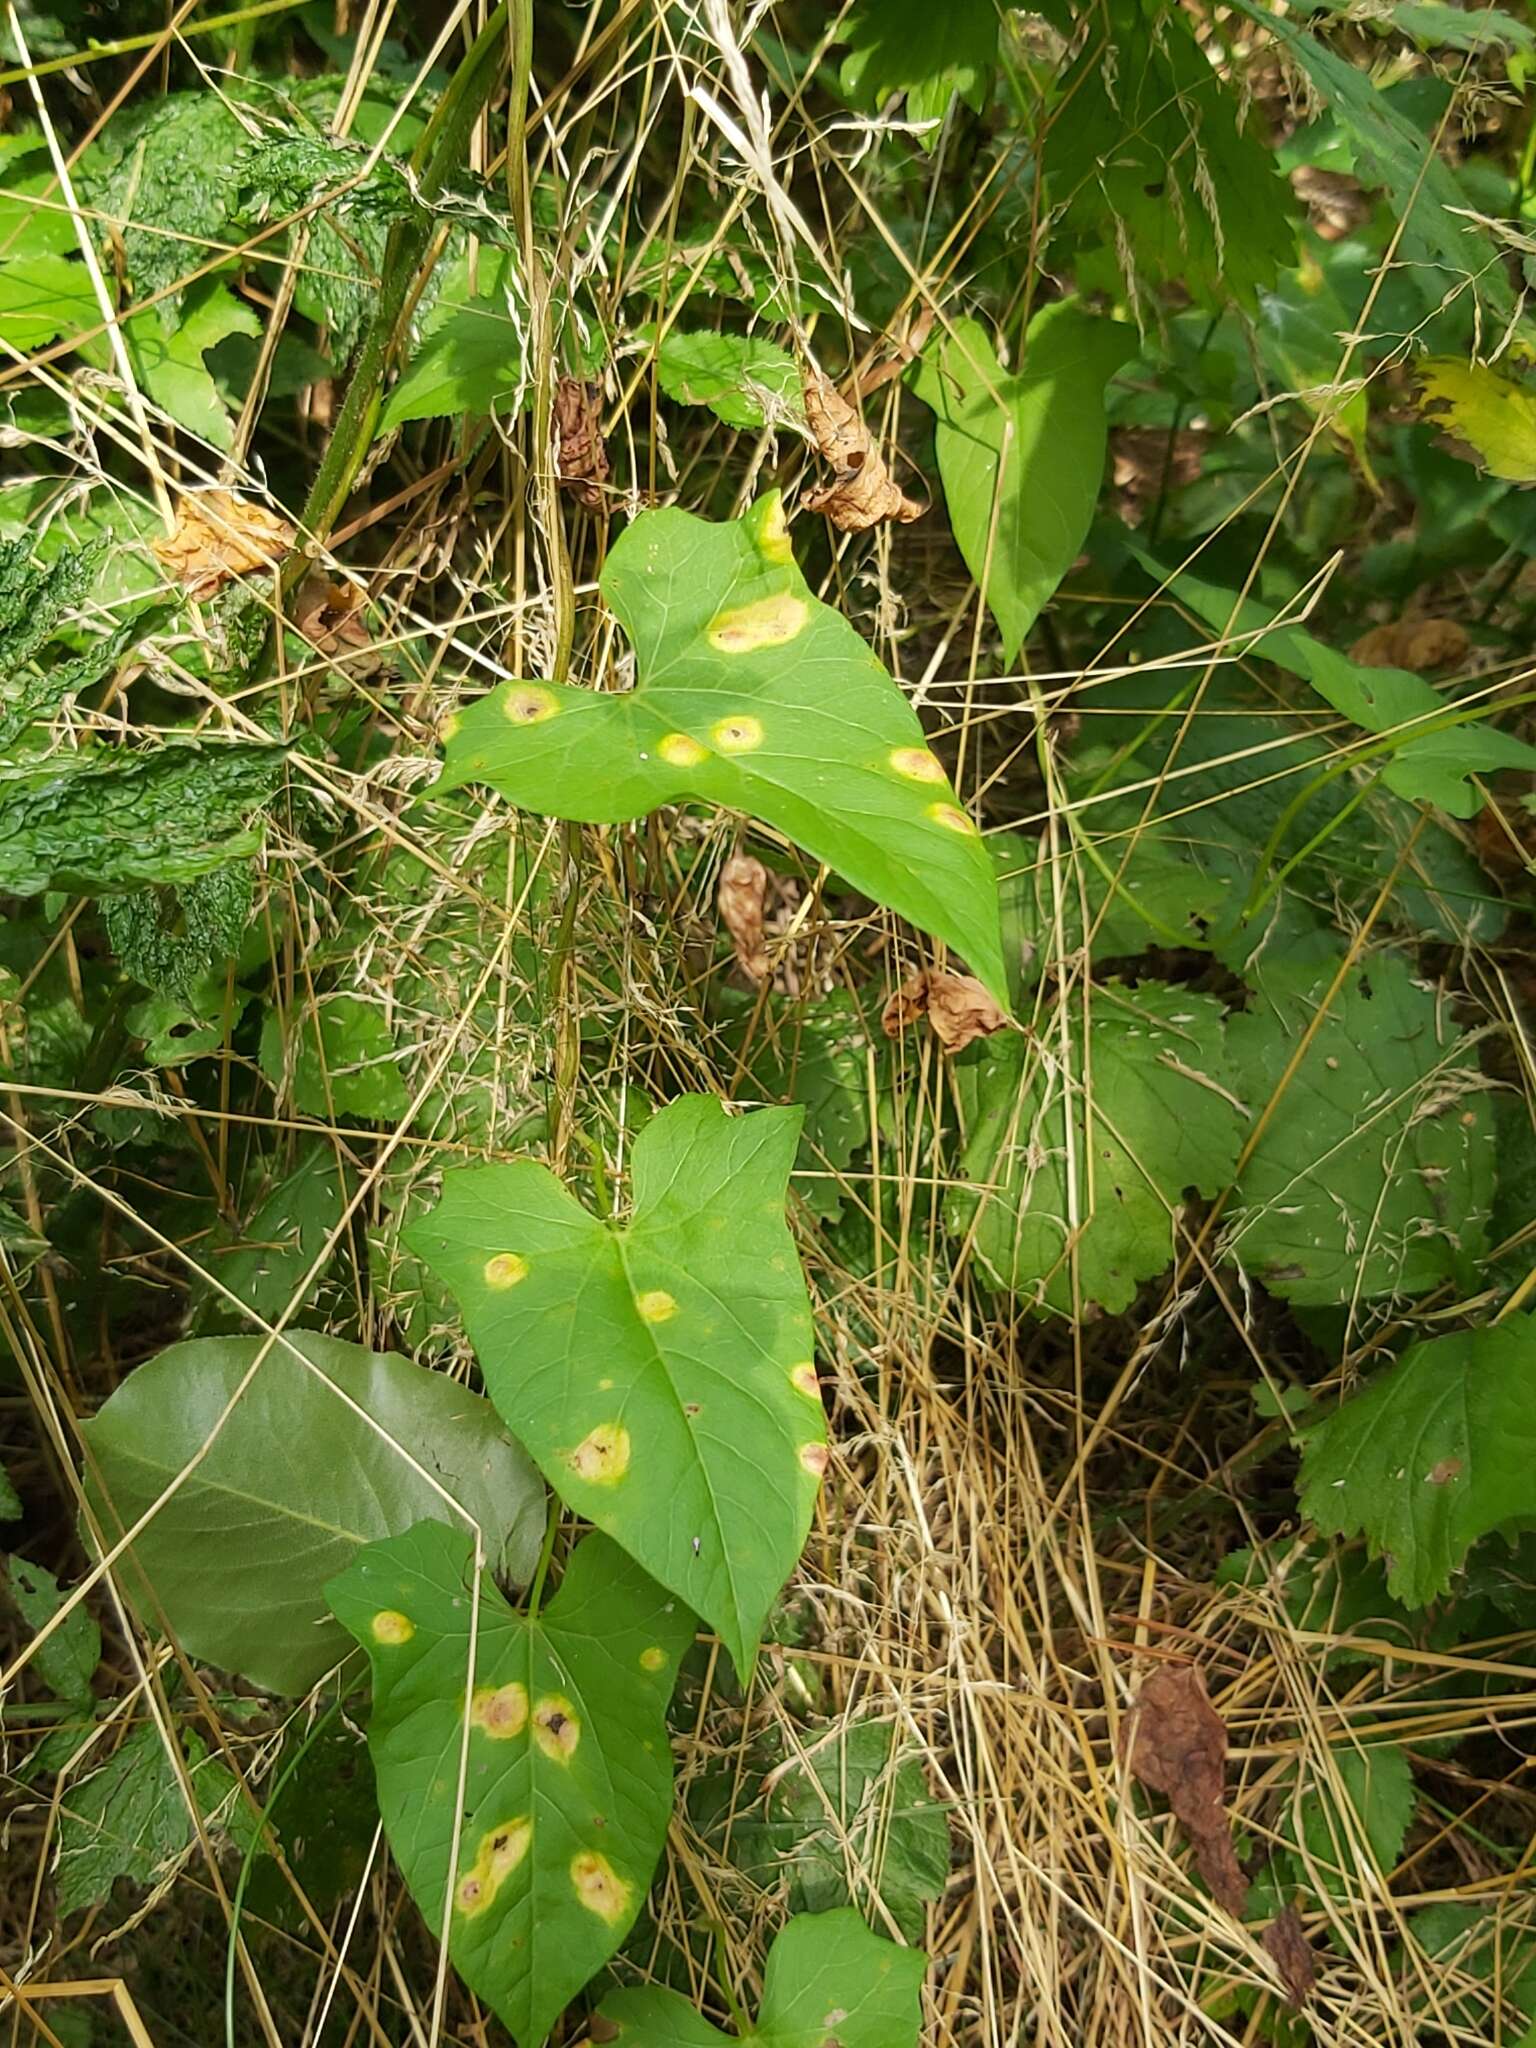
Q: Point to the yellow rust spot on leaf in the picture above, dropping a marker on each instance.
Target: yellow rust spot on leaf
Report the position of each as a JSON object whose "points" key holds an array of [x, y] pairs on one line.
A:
{"points": [[653, 1659], [529, 704], [599, 1887], [500, 1711], [814, 1458], [773, 534], [392, 1627], [602, 1456], [769, 622], [501, 1850], [918, 765], [505, 1270], [656, 1305], [952, 818], [449, 727], [681, 751], [738, 734], [556, 1729], [804, 1378]]}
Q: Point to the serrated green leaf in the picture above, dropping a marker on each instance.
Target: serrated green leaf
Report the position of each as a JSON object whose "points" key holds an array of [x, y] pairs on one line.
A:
{"points": [[1475, 1944], [169, 939], [1358, 1809], [130, 1818], [828, 1979], [929, 53], [751, 694], [108, 818], [1374, 1175], [816, 1054], [569, 1769], [471, 354], [744, 380], [660, 1375], [1432, 767], [296, 1481], [66, 1661], [337, 1059], [172, 366], [1092, 1135], [1151, 158], [1392, 155], [1436, 1452], [1022, 454], [1494, 415]]}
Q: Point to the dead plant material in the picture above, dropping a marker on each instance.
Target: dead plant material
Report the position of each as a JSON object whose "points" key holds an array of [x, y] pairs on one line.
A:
{"points": [[956, 1005], [581, 454], [1147, 464], [330, 616], [862, 493], [741, 897], [1336, 203], [1178, 1746], [1292, 1954], [218, 537], [1416, 644]]}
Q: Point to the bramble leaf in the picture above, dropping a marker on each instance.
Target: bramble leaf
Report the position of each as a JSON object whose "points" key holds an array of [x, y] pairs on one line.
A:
{"points": [[828, 1978], [1437, 1451], [130, 1818], [1090, 1136], [744, 380], [1374, 1175], [929, 53], [338, 1058], [1369, 1809], [471, 354], [660, 1375], [568, 1769], [313, 1462], [755, 695], [1022, 453]]}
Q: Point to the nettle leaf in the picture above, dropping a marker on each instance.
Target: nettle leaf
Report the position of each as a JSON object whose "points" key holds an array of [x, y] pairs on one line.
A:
{"points": [[130, 1818], [744, 380], [1437, 1451], [828, 1978], [107, 818], [660, 1374], [1374, 1175], [1432, 767], [169, 939], [931, 54], [754, 695], [66, 1661], [337, 1057], [569, 1769], [1493, 415], [1022, 453], [1359, 1809], [1129, 1108], [172, 367], [1150, 158], [471, 354], [294, 1483]]}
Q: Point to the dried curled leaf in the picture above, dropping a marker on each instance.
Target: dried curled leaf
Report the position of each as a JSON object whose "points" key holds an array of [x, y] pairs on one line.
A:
{"points": [[1414, 644], [861, 493], [742, 894], [330, 616], [581, 455], [1292, 1954], [956, 1005], [218, 537], [1336, 203], [1178, 1746]]}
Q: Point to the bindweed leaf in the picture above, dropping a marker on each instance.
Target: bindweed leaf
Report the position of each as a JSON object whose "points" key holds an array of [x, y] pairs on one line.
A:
{"points": [[660, 1374], [567, 1774], [1437, 1451], [754, 695], [294, 1481], [828, 1980]]}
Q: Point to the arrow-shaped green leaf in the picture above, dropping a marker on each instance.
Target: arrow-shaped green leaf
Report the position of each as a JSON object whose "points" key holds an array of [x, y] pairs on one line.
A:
{"points": [[830, 1983], [568, 1773], [754, 695], [660, 1375]]}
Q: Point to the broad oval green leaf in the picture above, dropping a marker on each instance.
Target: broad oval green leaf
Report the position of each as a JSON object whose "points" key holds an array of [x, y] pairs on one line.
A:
{"points": [[295, 1481], [1436, 1452], [755, 695], [567, 1766], [1089, 1138], [828, 1980], [660, 1374], [1374, 1175], [745, 380], [1022, 453]]}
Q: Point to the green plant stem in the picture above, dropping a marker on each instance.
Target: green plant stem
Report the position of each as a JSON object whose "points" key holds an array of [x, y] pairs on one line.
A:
{"points": [[438, 155], [546, 1554]]}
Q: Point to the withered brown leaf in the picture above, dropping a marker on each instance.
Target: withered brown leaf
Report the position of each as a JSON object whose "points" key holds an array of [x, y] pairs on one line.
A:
{"points": [[1287, 1943], [956, 1005], [740, 899], [330, 615], [861, 493], [581, 454], [218, 537], [1417, 644], [1178, 1746]]}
